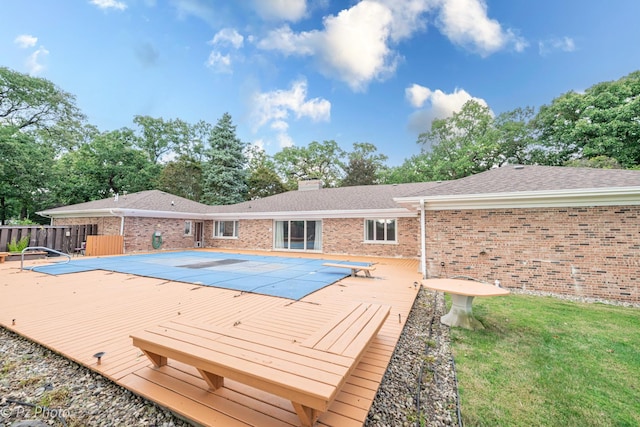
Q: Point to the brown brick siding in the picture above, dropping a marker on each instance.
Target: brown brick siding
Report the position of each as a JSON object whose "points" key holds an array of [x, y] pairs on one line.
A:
{"points": [[346, 236], [591, 251], [252, 234], [107, 226]]}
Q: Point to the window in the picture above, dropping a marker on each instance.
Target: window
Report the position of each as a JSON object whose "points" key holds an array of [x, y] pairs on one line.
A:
{"points": [[380, 230], [225, 229], [298, 235], [187, 228]]}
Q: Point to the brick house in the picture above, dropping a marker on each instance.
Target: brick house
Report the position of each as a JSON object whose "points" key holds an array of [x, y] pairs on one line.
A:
{"points": [[562, 230]]}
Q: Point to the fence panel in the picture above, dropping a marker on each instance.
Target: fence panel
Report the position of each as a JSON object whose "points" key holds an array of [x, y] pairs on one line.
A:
{"points": [[61, 238], [104, 245]]}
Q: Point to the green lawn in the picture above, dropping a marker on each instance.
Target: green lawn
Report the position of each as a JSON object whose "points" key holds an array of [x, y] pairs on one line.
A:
{"points": [[548, 362]]}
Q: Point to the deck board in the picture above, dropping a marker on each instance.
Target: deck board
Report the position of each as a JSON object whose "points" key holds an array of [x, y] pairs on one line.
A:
{"points": [[80, 314]]}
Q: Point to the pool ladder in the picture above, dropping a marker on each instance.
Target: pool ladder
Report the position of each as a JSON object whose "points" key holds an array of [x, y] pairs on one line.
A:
{"points": [[41, 248]]}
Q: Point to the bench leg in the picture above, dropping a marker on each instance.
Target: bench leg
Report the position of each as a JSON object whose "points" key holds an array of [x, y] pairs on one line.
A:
{"points": [[461, 313], [156, 359], [307, 415], [214, 381]]}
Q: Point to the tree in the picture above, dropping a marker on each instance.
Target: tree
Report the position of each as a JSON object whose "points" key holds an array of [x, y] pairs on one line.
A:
{"points": [[262, 180], [109, 164], [223, 172], [25, 172], [364, 167], [417, 168], [463, 144], [28, 103], [602, 121], [316, 161], [182, 177]]}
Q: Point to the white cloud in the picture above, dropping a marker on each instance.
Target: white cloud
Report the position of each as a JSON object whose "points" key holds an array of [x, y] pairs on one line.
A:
{"points": [[228, 36], [466, 23], [276, 108], [219, 62], [562, 44], [25, 41], [442, 105], [352, 47], [34, 61], [417, 95], [109, 4], [281, 10]]}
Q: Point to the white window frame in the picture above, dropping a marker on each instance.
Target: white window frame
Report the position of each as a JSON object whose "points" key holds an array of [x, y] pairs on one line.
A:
{"points": [[384, 240], [218, 235], [188, 228]]}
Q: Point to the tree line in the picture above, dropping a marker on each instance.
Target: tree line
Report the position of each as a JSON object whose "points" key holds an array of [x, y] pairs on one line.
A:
{"points": [[51, 156]]}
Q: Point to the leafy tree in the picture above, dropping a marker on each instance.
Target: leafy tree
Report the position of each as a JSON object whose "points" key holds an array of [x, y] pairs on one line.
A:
{"points": [[28, 102], [262, 180], [515, 137], [417, 168], [364, 166], [182, 177], [108, 164], [463, 144], [25, 170], [316, 161], [601, 162], [602, 121], [223, 172]]}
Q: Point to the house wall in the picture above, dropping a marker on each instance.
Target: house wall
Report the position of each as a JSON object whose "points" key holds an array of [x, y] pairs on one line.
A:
{"points": [[106, 225], [346, 237], [252, 234], [339, 236], [138, 231], [591, 251]]}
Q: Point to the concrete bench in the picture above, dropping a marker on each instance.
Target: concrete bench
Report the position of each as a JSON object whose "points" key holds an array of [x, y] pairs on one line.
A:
{"points": [[462, 294], [3, 255], [309, 374], [367, 269]]}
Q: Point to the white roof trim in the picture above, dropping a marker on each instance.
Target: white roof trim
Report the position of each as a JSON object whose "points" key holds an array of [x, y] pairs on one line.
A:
{"points": [[360, 213], [529, 199], [230, 216]]}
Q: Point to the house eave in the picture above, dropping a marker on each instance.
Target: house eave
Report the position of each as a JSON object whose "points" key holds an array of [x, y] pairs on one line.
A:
{"points": [[533, 199], [119, 212], [322, 214]]}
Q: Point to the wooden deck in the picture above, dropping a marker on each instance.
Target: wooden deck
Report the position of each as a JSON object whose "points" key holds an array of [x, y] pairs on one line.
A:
{"points": [[81, 314]]}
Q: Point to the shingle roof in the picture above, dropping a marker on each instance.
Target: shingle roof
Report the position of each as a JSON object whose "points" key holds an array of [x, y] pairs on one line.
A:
{"points": [[509, 179], [362, 197], [152, 200]]}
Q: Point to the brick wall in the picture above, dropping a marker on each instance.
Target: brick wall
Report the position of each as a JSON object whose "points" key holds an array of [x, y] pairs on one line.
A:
{"points": [[346, 236], [139, 234], [252, 234], [592, 251], [107, 226]]}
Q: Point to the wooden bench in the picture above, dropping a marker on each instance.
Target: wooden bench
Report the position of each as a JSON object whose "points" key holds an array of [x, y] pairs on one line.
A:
{"points": [[367, 269], [309, 374], [462, 294], [3, 255]]}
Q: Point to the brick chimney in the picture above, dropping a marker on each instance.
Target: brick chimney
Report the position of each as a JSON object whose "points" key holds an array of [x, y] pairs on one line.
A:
{"points": [[311, 184]]}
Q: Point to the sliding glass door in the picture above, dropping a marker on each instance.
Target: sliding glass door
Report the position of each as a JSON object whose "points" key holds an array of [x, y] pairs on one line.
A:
{"points": [[298, 235]]}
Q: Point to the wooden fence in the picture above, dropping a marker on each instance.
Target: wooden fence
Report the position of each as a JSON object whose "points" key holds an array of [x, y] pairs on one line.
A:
{"points": [[65, 238], [104, 245]]}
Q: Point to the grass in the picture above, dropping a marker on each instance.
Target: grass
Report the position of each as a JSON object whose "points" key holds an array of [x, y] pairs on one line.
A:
{"points": [[548, 362]]}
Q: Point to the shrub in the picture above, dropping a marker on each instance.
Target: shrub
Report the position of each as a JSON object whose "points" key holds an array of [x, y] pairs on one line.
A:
{"points": [[18, 246]]}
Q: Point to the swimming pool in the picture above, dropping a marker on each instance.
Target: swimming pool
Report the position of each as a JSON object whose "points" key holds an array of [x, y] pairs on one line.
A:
{"points": [[279, 276]]}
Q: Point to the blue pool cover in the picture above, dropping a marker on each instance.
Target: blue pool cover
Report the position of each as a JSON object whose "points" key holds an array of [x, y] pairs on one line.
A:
{"points": [[279, 276]]}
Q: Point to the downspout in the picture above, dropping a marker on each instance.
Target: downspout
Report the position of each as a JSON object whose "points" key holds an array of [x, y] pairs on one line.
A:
{"points": [[121, 226], [121, 221], [423, 242]]}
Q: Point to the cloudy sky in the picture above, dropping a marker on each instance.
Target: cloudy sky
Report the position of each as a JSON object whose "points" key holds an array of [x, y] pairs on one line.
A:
{"points": [[294, 71]]}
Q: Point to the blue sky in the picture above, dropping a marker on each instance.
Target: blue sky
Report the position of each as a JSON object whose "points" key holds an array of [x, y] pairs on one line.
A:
{"points": [[294, 71]]}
